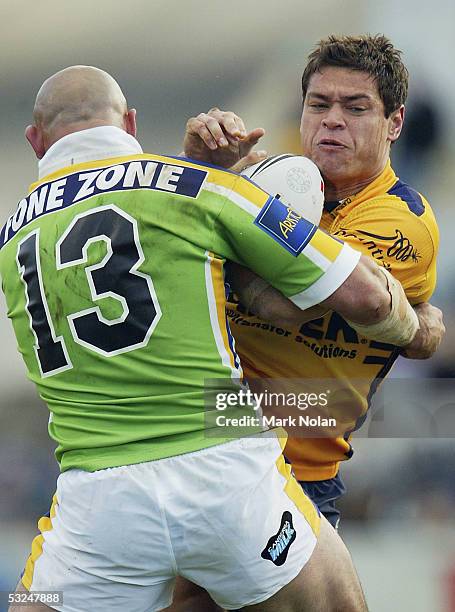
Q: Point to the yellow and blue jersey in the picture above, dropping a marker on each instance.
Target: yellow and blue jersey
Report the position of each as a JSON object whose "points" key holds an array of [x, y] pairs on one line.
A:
{"points": [[392, 223]]}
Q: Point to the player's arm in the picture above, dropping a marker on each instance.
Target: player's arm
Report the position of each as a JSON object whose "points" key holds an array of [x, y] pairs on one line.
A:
{"points": [[266, 302], [361, 299], [418, 330], [309, 266]]}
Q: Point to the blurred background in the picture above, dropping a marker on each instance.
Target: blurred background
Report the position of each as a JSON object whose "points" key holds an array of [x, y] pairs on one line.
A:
{"points": [[174, 60]]}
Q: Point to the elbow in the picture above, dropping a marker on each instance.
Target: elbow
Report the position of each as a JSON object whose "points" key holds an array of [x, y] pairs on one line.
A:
{"points": [[375, 297], [375, 304], [364, 296]]}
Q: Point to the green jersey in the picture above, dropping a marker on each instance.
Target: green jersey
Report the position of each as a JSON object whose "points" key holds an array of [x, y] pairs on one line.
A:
{"points": [[113, 275]]}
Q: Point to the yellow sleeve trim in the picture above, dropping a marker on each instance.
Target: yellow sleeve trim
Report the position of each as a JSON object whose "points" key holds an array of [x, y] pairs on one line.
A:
{"points": [[251, 192], [326, 245]]}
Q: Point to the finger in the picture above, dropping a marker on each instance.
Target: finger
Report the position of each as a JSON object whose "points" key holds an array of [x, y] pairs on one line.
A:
{"points": [[254, 136], [251, 139], [232, 124], [240, 126], [196, 127], [213, 125], [216, 127], [207, 129], [254, 157]]}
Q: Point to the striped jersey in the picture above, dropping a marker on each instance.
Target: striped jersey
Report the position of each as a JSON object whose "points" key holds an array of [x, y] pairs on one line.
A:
{"points": [[112, 270], [392, 223]]}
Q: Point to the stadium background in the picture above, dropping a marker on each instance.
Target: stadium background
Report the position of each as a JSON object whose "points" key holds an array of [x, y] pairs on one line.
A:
{"points": [[174, 60]]}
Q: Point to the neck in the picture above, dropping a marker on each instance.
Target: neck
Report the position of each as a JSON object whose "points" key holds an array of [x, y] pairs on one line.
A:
{"points": [[340, 191], [63, 130]]}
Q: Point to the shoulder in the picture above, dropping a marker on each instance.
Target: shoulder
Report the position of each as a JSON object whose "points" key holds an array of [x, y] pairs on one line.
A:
{"points": [[405, 194], [398, 229], [401, 205]]}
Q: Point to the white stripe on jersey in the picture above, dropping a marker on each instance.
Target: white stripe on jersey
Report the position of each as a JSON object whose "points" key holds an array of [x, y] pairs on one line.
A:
{"points": [[316, 257], [243, 203], [329, 282], [227, 358]]}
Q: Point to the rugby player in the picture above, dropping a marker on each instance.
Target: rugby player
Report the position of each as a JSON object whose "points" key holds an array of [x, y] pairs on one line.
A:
{"points": [[354, 90], [112, 269]]}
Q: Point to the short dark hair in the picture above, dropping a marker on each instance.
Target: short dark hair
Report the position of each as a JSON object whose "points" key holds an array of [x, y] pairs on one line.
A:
{"points": [[372, 54]]}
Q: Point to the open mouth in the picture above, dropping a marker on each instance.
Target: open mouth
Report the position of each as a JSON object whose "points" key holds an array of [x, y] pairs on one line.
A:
{"points": [[329, 142]]}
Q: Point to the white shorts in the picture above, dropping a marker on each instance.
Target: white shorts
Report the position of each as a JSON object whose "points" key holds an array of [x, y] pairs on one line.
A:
{"points": [[229, 518]]}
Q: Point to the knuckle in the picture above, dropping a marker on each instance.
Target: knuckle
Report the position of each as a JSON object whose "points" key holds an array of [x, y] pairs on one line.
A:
{"points": [[215, 112]]}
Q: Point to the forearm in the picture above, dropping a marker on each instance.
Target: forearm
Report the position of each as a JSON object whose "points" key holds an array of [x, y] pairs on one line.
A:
{"points": [[374, 303], [370, 299], [274, 307], [266, 302]]}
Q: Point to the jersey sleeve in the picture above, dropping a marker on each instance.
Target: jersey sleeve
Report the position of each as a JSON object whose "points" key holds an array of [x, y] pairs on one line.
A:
{"points": [[403, 242], [260, 232]]}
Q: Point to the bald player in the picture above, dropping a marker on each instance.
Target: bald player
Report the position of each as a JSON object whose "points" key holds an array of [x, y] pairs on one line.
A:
{"points": [[112, 269], [78, 98]]}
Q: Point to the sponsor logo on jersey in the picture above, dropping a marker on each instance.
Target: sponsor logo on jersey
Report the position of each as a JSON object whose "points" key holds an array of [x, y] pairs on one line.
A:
{"points": [[401, 248], [285, 226], [328, 351], [277, 547], [142, 174], [329, 337]]}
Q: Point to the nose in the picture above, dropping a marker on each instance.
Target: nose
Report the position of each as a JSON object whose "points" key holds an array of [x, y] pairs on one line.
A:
{"points": [[333, 118]]}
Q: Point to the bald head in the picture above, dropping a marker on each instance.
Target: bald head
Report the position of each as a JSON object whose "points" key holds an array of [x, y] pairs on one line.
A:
{"points": [[77, 98]]}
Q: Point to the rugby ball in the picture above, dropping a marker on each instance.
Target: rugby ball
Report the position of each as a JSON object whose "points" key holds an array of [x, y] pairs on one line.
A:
{"points": [[295, 180]]}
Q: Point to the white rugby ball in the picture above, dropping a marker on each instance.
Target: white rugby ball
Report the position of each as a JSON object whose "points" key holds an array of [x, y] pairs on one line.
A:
{"points": [[295, 180]]}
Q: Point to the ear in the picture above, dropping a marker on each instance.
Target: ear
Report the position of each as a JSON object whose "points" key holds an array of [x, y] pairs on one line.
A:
{"points": [[130, 122], [35, 137], [396, 120]]}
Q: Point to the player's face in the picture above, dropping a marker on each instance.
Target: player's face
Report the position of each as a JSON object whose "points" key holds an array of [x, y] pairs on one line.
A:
{"points": [[344, 129]]}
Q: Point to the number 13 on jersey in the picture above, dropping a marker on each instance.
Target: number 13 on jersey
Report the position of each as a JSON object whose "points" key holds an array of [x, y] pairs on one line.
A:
{"points": [[116, 276]]}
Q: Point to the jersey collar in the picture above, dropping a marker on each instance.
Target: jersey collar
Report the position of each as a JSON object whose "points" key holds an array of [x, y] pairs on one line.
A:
{"points": [[379, 186], [100, 142]]}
